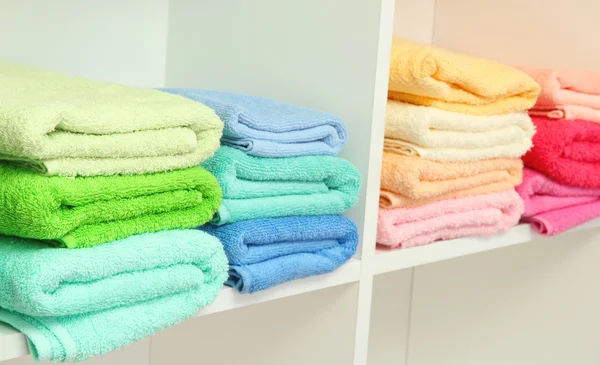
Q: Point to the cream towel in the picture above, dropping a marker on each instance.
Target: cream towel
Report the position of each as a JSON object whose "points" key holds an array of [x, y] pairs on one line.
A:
{"points": [[441, 135]]}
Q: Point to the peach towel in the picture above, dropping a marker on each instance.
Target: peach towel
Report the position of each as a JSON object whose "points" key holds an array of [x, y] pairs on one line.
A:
{"points": [[408, 181], [481, 215], [566, 94], [431, 76]]}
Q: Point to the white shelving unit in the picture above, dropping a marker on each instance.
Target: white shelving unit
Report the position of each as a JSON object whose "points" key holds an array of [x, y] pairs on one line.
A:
{"points": [[333, 55]]}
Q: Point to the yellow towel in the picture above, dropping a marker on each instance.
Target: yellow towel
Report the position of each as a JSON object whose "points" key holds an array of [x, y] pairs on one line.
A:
{"points": [[431, 76], [408, 181]]}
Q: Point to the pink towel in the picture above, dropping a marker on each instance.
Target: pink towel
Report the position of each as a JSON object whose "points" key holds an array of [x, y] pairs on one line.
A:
{"points": [[551, 207], [566, 94], [481, 215]]}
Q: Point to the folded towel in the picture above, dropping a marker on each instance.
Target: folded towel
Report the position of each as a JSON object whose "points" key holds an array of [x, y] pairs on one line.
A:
{"points": [[566, 94], [440, 135], [64, 125], [258, 187], [566, 151], [552, 208], [85, 211], [482, 215], [410, 181], [73, 305], [426, 75], [266, 252], [264, 127]]}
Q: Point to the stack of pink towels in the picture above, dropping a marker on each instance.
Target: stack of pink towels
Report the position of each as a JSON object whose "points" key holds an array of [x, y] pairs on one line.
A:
{"points": [[561, 183]]}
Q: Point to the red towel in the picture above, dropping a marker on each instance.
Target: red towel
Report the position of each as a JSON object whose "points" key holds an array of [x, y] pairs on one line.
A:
{"points": [[567, 151]]}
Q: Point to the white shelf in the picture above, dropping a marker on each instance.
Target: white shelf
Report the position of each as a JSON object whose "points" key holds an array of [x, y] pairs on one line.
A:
{"points": [[392, 260], [13, 343]]}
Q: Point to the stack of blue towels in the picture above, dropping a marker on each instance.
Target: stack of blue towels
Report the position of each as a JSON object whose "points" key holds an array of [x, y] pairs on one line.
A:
{"points": [[283, 190]]}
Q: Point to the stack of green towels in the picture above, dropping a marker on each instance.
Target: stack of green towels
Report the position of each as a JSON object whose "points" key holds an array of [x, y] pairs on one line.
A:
{"points": [[99, 187], [283, 189]]}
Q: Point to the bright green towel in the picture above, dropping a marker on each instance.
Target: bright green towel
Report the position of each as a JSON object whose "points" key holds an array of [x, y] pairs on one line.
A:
{"points": [[64, 125], [258, 187], [74, 304], [85, 211]]}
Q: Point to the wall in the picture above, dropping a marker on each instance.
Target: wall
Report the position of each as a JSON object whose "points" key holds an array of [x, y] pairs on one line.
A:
{"points": [[109, 40]]}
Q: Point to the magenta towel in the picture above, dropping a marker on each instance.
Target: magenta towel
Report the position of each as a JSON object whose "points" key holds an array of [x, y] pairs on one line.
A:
{"points": [[480, 215], [551, 207]]}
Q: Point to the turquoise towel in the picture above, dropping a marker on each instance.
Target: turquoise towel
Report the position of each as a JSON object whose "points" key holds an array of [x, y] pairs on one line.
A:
{"points": [[259, 187], [74, 304]]}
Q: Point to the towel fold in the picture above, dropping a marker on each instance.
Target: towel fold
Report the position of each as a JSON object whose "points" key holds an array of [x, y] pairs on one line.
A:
{"points": [[264, 127], [446, 136], [482, 215], [426, 75], [73, 305], [63, 125], [566, 94], [85, 211], [410, 181], [266, 252], [552, 208], [258, 187], [566, 151]]}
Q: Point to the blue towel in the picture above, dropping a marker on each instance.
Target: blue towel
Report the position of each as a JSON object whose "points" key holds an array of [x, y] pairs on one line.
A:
{"points": [[264, 127], [266, 252], [75, 304]]}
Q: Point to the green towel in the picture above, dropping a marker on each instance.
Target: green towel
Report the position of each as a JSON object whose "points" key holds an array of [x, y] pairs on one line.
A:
{"points": [[74, 304], [258, 187], [85, 211], [64, 125]]}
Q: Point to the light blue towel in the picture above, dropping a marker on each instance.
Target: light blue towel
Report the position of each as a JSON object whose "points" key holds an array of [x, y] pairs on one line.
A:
{"points": [[266, 252], [74, 304], [264, 127]]}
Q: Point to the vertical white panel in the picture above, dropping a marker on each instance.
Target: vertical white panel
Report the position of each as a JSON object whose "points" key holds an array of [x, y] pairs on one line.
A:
{"points": [[314, 328], [413, 19], [555, 33], [530, 304], [390, 313], [108, 40], [315, 53]]}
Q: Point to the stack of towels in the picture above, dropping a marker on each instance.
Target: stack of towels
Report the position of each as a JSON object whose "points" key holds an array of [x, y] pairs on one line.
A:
{"points": [[283, 189], [455, 131], [99, 188], [561, 183]]}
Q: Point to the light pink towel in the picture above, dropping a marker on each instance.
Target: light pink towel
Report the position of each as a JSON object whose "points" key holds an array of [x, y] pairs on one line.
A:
{"points": [[551, 207], [566, 94], [480, 215]]}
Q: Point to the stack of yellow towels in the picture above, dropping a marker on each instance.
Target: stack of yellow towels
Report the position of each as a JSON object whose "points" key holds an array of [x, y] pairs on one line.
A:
{"points": [[455, 131]]}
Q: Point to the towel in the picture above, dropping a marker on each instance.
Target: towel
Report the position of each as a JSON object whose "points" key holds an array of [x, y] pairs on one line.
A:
{"points": [[567, 151], [566, 94], [552, 208], [426, 75], [73, 305], [482, 215], [411, 181], [62, 125], [266, 252], [258, 187], [440, 135], [85, 211], [264, 127]]}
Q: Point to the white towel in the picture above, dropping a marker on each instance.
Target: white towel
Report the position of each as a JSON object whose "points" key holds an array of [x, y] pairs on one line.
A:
{"points": [[441, 135]]}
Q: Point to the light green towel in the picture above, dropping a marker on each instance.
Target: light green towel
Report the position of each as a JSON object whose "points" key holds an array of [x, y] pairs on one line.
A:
{"points": [[85, 211], [64, 125], [258, 187], [72, 305]]}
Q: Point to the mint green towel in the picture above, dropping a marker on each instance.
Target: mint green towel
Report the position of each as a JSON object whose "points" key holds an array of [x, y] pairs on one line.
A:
{"points": [[74, 304], [259, 187], [85, 211], [63, 125]]}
